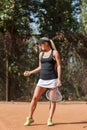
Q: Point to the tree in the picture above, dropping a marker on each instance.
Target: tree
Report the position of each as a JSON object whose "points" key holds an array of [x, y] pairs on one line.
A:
{"points": [[83, 16], [57, 15], [15, 18], [73, 51]]}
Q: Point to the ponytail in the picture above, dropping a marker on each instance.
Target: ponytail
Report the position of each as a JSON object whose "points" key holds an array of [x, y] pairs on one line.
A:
{"points": [[52, 45]]}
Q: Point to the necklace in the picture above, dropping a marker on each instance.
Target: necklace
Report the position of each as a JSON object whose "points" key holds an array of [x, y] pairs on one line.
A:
{"points": [[47, 54]]}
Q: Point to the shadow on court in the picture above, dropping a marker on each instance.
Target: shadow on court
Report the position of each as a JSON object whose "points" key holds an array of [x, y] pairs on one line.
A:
{"points": [[83, 122], [68, 116]]}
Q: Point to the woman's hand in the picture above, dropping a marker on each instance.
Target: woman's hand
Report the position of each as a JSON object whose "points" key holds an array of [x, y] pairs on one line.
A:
{"points": [[59, 83], [27, 73]]}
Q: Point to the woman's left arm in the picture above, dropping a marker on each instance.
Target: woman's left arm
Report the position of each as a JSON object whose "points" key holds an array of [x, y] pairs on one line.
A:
{"points": [[58, 62]]}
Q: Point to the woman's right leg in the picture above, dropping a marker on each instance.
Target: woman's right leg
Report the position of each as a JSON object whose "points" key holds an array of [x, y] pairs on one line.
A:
{"points": [[37, 93]]}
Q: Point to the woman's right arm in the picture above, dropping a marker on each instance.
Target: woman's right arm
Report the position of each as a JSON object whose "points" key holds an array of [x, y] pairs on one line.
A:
{"points": [[28, 73]]}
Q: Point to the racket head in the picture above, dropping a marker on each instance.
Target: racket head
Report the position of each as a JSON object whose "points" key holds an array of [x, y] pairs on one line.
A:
{"points": [[54, 95]]}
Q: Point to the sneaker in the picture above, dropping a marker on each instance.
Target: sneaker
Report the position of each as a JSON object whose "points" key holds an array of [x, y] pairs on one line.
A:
{"points": [[49, 123], [28, 121]]}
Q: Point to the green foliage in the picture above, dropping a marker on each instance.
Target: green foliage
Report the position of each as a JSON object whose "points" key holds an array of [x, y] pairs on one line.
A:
{"points": [[17, 49], [15, 16], [24, 59], [69, 47], [57, 15], [83, 17]]}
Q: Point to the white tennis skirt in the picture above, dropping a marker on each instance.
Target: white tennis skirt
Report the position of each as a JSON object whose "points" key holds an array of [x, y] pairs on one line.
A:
{"points": [[47, 83]]}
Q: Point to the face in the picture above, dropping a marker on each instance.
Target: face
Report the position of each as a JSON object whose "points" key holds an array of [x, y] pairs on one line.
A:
{"points": [[43, 46]]}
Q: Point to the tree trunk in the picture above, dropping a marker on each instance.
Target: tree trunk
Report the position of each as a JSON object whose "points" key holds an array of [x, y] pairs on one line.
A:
{"points": [[7, 92], [6, 76]]}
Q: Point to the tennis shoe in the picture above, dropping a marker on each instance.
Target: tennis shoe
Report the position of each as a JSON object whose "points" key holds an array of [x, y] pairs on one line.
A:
{"points": [[49, 122], [28, 121]]}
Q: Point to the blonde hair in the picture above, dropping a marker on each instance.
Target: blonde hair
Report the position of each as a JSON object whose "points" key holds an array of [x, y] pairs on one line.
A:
{"points": [[51, 43]]}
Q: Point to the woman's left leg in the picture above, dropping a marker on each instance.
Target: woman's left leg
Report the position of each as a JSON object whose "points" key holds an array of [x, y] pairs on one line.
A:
{"points": [[51, 108]]}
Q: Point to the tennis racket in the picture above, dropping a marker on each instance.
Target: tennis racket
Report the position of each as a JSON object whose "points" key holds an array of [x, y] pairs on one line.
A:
{"points": [[54, 95]]}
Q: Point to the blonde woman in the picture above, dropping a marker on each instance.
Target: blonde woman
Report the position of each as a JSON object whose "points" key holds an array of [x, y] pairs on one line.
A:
{"points": [[50, 77]]}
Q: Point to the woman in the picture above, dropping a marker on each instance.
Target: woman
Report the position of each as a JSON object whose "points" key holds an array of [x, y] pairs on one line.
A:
{"points": [[50, 76]]}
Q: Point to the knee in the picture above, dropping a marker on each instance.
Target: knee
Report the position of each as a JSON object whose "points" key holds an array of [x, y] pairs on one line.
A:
{"points": [[35, 98], [53, 104]]}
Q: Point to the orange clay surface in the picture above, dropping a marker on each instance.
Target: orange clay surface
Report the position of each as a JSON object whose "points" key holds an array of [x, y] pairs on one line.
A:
{"points": [[68, 116]]}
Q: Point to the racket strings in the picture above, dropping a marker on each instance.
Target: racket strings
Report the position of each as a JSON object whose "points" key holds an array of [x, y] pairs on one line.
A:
{"points": [[54, 95]]}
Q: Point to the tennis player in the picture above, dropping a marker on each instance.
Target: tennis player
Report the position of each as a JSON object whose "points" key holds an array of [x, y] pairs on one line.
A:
{"points": [[50, 77]]}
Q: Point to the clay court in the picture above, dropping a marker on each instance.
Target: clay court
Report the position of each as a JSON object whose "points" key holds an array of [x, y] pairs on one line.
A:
{"points": [[68, 116]]}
